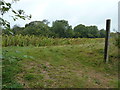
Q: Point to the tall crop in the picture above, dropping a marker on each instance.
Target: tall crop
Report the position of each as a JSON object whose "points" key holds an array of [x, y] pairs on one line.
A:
{"points": [[32, 40]]}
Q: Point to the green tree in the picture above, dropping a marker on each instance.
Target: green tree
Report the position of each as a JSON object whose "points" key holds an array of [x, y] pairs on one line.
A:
{"points": [[45, 21], [17, 29], [69, 32], [6, 7], [102, 33], [86, 31], [37, 28], [60, 28], [92, 32], [80, 31]]}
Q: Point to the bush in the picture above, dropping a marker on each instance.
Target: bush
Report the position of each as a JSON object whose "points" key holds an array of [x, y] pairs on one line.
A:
{"points": [[117, 40]]}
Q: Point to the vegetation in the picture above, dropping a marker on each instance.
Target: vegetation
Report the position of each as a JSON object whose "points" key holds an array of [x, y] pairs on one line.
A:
{"points": [[40, 56], [31, 40], [6, 7], [34, 59], [117, 43], [76, 65], [59, 29]]}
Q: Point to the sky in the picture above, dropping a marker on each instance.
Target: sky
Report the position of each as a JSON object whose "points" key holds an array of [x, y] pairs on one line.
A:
{"points": [[87, 12]]}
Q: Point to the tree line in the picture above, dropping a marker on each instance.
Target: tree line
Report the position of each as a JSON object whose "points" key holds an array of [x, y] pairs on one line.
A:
{"points": [[59, 29]]}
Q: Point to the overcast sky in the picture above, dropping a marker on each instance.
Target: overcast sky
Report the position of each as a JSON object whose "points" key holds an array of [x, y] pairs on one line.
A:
{"points": [[87, 12]]}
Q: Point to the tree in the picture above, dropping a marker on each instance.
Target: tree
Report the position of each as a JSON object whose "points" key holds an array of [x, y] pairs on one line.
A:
{"points": [[80, 31], [45, 21], [17, 29], [69, 32], [92, 32], [86, 31], [102, 33], [6, 7], [60, 28], [37, 28]]}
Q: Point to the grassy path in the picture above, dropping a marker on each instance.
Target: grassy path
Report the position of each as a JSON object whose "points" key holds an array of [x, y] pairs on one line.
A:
{"points": [[67, 66]]}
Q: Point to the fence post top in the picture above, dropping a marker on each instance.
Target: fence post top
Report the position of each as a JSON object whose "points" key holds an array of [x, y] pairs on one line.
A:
{"points": [[108, 20]]}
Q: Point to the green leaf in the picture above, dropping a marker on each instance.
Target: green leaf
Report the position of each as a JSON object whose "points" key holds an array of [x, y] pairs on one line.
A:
{"points": [[14, 11], [5, 9], [21, 12], [1, 3], [8, 4], [8, 25]]}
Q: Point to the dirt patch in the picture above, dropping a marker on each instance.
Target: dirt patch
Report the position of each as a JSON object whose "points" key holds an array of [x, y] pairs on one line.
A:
{"points": [[20, 79], [53, 75]]}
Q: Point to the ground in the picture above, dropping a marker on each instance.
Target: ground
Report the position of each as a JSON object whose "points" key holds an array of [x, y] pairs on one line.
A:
{"points": [[61, 66]]}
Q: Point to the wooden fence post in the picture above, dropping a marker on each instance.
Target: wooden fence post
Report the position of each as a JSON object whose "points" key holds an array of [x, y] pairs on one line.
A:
{"points": [[106, 50]]}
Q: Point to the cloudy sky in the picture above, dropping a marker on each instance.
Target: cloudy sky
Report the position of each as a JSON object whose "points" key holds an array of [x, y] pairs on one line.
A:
{"points": [[87, 12]]}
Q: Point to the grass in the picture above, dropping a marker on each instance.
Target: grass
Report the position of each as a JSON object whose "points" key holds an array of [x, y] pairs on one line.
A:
{"points": [[62, 66]]}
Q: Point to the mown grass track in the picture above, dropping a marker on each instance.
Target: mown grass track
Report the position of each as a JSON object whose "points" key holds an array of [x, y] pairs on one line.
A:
{"points": [[60, 66]]}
